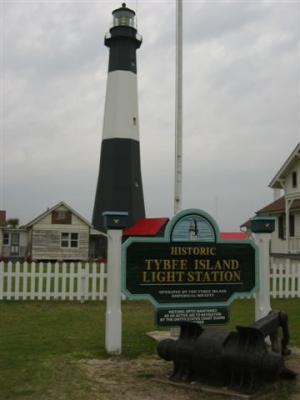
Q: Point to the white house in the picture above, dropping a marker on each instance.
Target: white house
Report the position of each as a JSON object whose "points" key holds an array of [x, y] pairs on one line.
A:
{"points": [[285, 207], [13, 240], [60, 233]]}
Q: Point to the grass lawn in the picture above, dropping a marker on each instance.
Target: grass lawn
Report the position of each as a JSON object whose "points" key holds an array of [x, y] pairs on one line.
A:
{"points": [[42, 342]]}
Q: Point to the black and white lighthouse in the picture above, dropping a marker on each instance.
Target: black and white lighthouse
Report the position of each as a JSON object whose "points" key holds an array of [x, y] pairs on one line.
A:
{"points": [[119, 186]]}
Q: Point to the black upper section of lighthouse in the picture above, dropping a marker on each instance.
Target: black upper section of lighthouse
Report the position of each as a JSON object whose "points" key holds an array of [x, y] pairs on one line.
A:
{"points": [[123, 40]]}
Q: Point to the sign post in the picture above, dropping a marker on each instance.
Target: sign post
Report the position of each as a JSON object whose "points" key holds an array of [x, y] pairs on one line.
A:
{"points": [[190, 274], [262, 227], [115, 222]]}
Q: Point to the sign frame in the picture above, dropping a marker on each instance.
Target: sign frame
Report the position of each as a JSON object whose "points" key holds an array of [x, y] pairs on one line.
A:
{"points": [[167, 239]]}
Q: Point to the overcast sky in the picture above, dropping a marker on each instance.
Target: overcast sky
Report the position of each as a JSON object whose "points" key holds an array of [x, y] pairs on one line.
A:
{"points": [[241, 103]]}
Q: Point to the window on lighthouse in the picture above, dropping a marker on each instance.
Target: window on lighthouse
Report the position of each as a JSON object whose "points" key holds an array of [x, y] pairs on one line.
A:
{"points": [[123, 17]]}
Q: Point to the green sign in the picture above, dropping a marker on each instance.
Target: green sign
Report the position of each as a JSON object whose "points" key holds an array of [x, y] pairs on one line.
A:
{"points": [[190, 266], [205, 315]]}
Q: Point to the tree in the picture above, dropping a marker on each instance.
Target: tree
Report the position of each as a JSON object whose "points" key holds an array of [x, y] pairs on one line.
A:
{"points": [[12, 222]]}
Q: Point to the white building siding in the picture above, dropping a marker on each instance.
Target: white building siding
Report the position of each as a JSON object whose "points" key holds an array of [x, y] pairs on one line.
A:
{"points": [[46, 239], [295, 167], [297, 224], [277, 245], [46, 245], [22, 246]]}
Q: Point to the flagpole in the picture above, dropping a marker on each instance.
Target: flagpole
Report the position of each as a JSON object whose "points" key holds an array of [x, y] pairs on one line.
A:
{"points": [[178, 110], [174, 331]]}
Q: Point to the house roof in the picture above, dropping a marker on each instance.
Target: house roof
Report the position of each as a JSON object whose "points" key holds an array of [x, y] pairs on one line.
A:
{"points": [[246, 224], [49, 210], [281, 174], [7, 229], [146, 227], [234, 235], [278, 206]]}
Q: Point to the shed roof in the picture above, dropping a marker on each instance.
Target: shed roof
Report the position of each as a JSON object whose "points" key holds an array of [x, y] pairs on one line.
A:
{"points": [[49, 210], [146, 227], [234, 235]]}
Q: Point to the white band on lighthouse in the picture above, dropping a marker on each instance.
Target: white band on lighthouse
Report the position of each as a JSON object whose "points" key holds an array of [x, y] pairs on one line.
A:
{"points": [[121, 106]]}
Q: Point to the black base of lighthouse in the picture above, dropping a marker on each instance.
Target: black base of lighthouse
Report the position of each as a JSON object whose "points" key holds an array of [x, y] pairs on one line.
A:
{"points": [[119, 186]]}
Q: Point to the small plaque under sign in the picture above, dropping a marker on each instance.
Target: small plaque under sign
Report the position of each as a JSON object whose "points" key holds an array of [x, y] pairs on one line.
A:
{"points": [[205, 316]]}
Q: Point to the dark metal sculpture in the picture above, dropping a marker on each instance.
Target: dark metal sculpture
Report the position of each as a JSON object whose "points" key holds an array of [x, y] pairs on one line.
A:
{"points": [[239, 360]]}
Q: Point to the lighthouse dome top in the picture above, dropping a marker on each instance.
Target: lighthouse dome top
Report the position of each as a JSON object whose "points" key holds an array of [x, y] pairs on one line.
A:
{"points": [[123, 16]]}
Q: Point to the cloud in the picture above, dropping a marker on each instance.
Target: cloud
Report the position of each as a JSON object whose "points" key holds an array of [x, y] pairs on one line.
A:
{"points": [[241, 103]]}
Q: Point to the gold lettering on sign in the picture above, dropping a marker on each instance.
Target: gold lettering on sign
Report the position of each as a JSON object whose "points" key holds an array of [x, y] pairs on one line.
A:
{"points": [[165, 264], [230, 264], [213, 276], [207, 268], [163, 276], [193, 251]]}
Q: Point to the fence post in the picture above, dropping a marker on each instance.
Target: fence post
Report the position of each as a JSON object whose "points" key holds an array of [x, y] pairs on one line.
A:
{"points": [[82, 283], [2, 265], [262, 228], [262, 300], [10, 293]]}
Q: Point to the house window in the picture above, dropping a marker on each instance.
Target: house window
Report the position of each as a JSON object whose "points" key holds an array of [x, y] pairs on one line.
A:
{"points": [[292, 225], [6, 239], [61, 217], [281, 227], [69, 240], [294, 179]]}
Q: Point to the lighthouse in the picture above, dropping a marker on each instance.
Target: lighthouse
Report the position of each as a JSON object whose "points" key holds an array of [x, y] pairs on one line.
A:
{"points": [[119, 186]]}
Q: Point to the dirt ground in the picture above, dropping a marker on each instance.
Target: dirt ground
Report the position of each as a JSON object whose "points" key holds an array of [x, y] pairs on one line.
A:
{"points": [[146, 378]]}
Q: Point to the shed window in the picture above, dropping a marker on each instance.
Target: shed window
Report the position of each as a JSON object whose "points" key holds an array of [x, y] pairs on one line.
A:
{"points": [[61, 217], [69, 240]]}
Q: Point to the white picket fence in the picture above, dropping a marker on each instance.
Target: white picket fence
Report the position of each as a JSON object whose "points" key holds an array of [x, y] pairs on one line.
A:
{"points": [[87, 281], [52, 281], [285, 279]]}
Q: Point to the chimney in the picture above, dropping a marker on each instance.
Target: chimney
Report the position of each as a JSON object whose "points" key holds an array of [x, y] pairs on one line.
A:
{"points": [[277, 193], [2, 217]]}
